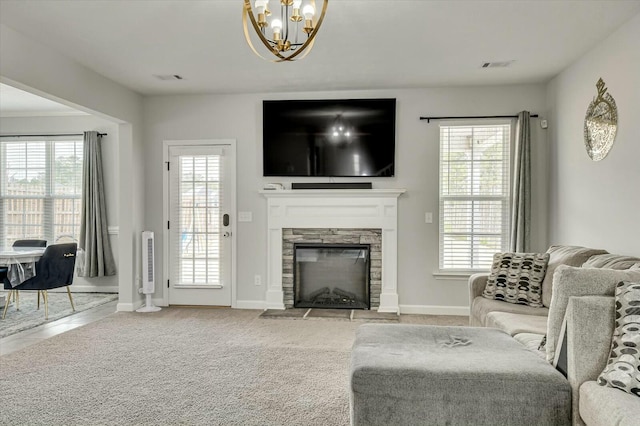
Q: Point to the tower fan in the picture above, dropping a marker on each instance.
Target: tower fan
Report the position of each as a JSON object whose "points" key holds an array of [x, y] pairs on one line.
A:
{"points": [[148, 285]]}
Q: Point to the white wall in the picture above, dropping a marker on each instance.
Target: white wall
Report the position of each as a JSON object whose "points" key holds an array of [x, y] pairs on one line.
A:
{"points": [[79, 124], [240, 117], [38, 69], [597, 204]]}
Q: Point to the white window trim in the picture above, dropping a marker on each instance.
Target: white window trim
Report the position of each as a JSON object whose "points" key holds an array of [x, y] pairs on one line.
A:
{"points": [[49, 197], [465, 273]]}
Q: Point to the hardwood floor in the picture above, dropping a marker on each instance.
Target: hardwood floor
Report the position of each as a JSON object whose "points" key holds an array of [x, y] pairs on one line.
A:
{"points": [[34, 335]]}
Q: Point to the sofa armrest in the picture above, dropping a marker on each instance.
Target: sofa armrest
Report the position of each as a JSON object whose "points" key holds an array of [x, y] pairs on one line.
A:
{"points": [[477, 283], [570, 281], [590, 321]]}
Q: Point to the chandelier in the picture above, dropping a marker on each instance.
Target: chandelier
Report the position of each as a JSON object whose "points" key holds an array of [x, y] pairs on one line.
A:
{"points": [[286, 34]]}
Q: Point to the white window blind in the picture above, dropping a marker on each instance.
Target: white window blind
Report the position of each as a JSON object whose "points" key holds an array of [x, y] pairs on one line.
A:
{"points": [[474, 195], [40, 189], [196, 200]]}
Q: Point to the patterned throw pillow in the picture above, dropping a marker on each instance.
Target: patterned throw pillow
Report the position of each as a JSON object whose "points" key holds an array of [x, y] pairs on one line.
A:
{"points": [[623, 369], [517, 278]]}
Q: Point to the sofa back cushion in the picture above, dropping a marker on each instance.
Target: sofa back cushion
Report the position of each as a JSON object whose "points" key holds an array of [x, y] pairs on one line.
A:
{"points": [[517, 278], [611, 261], [572, 281], [564, 255]]}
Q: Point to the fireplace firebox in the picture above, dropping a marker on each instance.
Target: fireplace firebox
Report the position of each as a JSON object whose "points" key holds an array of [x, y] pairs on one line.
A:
{"points": [[331, 276]]}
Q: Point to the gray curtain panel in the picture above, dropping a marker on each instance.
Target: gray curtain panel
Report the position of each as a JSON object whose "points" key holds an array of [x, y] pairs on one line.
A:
{"points": [[94, 239], [520, 235]]}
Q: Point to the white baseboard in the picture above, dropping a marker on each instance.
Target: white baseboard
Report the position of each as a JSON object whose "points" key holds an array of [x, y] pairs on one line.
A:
{"points": [[434, 310], [128, 307], [250, 304], [158, 302]]}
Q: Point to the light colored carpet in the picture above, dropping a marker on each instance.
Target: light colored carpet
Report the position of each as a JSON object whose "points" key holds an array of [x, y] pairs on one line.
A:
{"points": [[186, 366], [59, 307]]}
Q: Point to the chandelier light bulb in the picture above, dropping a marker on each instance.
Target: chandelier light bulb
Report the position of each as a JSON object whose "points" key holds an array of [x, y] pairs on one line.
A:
{"points": [[260, 5], [295, 14], [308, 11], [276, 27]]}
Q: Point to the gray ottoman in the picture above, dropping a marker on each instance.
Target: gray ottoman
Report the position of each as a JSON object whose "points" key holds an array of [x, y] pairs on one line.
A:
{"points": [[428, 375]]}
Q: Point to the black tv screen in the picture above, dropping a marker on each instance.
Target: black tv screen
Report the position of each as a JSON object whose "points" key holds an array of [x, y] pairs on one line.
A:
{"points": [[353, 137]]}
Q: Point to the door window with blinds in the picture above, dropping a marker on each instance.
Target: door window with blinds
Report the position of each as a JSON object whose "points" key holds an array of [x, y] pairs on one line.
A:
{"points": [[474, 194], [40, 189], [197, 189]]}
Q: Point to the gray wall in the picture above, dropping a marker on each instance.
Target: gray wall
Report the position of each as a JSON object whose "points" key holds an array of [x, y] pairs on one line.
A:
{"points": [[240, 117], [79, 124], [597, 204], [39, 69]]}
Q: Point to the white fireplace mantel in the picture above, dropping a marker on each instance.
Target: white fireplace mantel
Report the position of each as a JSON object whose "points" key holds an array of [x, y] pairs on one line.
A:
{"points": [[333, 208]]}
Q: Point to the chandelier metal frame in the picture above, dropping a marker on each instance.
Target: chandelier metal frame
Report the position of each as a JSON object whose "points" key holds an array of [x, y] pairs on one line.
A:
{"points": [[277, 46]]}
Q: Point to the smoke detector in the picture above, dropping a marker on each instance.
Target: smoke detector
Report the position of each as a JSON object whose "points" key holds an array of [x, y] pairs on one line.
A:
{"points": [[496, 64], [167, 77]]}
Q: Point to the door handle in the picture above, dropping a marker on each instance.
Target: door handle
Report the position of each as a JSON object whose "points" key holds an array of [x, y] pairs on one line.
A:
{"points": [[225, 220]]}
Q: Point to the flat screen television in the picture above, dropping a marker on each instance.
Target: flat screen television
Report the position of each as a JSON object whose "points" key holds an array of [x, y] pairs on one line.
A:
{"points": [[348, 138]]}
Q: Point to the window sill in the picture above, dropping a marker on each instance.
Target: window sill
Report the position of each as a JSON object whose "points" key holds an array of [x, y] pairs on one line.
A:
{"points": [[456, 275]]}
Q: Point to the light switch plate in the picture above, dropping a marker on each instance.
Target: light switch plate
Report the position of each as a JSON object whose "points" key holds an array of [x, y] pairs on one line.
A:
{"points": [[245, 216], [428, 217]]}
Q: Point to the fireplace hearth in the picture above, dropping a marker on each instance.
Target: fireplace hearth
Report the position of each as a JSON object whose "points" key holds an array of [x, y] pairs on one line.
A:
{"points": [[333, 276]]}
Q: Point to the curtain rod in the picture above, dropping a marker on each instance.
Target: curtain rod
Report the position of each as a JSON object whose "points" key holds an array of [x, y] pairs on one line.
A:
{"points": [[474, 116], [47, 136]]}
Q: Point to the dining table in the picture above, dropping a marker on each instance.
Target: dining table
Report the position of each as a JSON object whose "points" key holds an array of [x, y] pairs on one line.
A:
{"points": [[20, 263]]}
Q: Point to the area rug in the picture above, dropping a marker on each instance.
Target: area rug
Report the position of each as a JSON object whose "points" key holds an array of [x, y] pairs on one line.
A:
{"points": [[59, 307], [184, 366]]}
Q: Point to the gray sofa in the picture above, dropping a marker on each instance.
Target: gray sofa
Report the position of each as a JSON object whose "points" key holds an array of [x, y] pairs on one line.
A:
{"points": [[494, 373], [577, 319], [589, 330]]}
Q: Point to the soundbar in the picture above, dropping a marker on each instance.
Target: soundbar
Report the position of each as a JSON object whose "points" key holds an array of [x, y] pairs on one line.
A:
{"points": [[331, 185]]}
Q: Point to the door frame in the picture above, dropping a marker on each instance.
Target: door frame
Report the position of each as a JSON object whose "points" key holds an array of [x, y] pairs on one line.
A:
{"points": [[231, 173]]}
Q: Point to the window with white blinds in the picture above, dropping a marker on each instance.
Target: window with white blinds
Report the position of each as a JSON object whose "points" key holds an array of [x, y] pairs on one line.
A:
{"points": [[40, 189], [196, 199], [474, 195]]}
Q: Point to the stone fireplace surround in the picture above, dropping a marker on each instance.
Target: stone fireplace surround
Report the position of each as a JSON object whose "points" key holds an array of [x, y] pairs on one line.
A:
{"points": [[373, 237], [332, 210]]}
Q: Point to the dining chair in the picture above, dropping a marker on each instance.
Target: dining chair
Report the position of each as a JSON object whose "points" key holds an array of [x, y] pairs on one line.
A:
{"points": [[53, 270], [19, 245]]}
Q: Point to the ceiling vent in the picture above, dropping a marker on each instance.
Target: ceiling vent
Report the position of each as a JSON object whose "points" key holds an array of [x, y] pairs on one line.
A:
{"points": [[503, 64], [167, 77]]}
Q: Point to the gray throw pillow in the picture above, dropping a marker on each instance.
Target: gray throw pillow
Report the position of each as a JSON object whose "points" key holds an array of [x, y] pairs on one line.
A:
{"points": [[517, 278], [623, 369]]}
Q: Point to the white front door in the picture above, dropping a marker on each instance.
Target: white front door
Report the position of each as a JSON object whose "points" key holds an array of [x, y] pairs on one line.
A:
{"points": [[199, 227]]}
